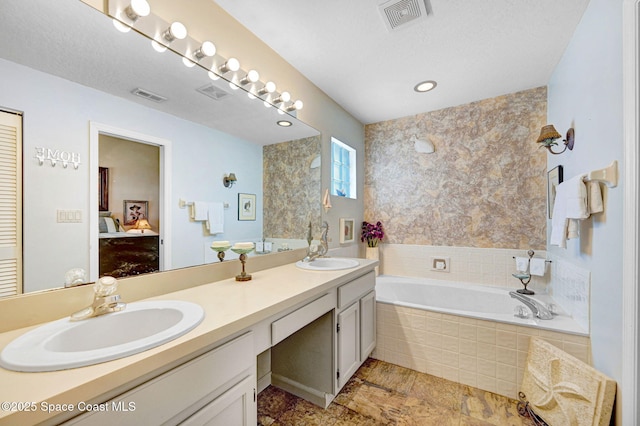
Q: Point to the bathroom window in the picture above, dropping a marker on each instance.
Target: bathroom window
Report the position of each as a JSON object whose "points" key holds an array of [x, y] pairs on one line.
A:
{"points": [[343, 171]]}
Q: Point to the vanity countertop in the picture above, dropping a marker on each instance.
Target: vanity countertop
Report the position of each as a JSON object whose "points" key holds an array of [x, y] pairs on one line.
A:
{"points": [[230, 307]]}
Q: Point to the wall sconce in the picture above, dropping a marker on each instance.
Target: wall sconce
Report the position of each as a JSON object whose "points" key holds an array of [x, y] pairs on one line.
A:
{"points": [[206, 49], [548, 136], [251, 77], [229, 180], [269, 87], [284, 97]]}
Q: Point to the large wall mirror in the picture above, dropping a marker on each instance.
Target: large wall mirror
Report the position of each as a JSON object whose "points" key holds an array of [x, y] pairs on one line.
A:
{"points": [[72, 75]]}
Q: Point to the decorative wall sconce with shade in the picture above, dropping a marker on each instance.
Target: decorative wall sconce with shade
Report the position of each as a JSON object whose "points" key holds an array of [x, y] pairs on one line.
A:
{"points": [[548, 136], [229, 180]]}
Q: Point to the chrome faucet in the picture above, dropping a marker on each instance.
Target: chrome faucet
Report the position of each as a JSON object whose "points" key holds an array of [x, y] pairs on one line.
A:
{"points": [[538, 309], [104, 300], [314, 251]]}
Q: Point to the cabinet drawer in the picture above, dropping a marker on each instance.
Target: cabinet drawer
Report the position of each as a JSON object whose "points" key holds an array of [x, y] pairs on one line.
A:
{"points": [[355, 289], [165, 397], [289, 324]]}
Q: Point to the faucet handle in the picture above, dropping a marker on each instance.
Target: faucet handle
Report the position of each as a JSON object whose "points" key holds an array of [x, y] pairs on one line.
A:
{"points": [[105, 286]]}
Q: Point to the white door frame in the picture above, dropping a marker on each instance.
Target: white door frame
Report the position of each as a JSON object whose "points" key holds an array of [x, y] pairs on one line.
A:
{"points": [[95, 130], [631, 226]]}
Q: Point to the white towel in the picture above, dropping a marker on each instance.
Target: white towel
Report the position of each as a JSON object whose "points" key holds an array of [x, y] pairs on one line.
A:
{"points": [[215, 218], [522, 264], [538, 267], [570, 203], [199, 210]]}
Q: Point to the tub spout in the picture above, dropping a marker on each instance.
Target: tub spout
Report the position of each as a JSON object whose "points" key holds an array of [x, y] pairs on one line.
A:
{"points": [[538, 309]]}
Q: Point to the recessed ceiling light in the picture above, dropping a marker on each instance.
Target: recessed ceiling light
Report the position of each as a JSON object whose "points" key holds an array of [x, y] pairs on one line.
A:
{"points": [[284, 123], [425, 86]]}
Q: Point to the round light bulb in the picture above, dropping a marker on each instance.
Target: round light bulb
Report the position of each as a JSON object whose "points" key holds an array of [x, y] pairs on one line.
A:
{"points": [[175, 31], [121, 27], [213, 76], [188, 62], [232, 64], [137, 9], [285, 96], [253, 76], [158, 47], [207, 49], [298, 104]]}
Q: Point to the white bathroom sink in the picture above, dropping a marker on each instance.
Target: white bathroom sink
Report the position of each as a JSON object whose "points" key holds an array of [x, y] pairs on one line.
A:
{"points": [[65, 344], [328, 264]]}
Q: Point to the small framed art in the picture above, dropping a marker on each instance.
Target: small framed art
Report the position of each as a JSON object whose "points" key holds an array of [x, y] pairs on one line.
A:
{"points": [[246, 206], [347, 232], [134, 210]]}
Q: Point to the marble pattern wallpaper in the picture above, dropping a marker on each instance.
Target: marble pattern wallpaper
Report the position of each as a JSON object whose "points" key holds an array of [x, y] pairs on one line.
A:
{"points": [[291, 185], [484, 186]]}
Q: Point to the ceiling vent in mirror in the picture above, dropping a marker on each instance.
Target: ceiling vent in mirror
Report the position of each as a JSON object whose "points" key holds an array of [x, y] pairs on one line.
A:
{"points": [[148, 95], [212, 91], [397, 14]]}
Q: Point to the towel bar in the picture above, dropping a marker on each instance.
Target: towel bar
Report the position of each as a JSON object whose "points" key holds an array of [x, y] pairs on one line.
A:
{"points": [[607, 175]]}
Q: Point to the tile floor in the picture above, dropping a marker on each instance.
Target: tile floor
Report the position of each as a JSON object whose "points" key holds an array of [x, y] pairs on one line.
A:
{"points": [[386, 394]]}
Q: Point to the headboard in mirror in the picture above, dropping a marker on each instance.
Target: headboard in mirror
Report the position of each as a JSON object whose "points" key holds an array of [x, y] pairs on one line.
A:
{"points": [[72, 76]]}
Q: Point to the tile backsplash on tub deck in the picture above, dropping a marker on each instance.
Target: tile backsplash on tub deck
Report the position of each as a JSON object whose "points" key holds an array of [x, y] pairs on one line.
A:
{"points": [[487, 266]]}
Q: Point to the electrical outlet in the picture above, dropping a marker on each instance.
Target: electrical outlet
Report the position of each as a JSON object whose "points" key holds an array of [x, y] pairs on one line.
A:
{"points": [[440, 264]]}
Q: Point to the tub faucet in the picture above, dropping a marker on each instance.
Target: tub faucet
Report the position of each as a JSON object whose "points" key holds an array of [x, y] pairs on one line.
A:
{"points": [[104, 300], [538, 309]]}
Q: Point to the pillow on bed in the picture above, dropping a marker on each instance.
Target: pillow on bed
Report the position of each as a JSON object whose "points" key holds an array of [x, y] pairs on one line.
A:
{"points": [[106, 224]]}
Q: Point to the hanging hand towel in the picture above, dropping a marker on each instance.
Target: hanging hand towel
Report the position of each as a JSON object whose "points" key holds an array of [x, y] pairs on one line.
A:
{"points": [[522, 264], [538, 267], [199, 210], [215, 218], [570, 203]]}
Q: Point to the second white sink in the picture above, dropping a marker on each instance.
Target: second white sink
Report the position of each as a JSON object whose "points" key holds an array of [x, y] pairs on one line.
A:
{"points": [[65, 344], [328, 264]]}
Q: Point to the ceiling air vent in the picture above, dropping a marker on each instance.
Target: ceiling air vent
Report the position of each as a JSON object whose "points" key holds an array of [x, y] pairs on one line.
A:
{"points": [[399, 13], [213, 92], [148, 95]]}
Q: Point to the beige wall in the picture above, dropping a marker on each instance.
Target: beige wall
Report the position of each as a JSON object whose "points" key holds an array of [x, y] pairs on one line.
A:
{"points": [[134, 174], [485, 185]]}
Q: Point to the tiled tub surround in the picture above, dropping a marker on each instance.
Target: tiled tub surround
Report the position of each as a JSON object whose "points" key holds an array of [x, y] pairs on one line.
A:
{"points": [[484, 354]]}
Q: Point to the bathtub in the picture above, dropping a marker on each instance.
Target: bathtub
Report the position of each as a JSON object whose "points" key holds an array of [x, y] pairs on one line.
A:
{"points": [[468, 300]]}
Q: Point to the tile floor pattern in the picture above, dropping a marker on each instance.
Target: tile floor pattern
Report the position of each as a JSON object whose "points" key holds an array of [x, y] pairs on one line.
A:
{"points": [[386, 394]]}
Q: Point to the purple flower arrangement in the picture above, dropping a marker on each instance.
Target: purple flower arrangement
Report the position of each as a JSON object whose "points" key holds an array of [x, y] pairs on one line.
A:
{"points": [[371, 233]]}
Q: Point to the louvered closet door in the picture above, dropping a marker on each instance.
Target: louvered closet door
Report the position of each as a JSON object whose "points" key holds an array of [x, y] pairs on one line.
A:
{"points": [[10, 204]]}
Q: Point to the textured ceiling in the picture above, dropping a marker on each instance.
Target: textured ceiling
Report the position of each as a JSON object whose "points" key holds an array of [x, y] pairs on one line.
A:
{"points": [[473, 49]]}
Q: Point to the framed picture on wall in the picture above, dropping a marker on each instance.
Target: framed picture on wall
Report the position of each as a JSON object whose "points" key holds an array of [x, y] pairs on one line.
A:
{"points": [[554, 178], [347, 233], [103, 179], [246, 206], [134, 210]]}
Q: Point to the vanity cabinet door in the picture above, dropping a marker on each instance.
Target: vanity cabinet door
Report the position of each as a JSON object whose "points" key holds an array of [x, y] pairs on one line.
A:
{"points": [[237, 407], [367, 325], [348, 343]]}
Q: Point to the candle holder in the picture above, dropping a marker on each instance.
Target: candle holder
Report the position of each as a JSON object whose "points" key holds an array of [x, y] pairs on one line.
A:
{"points": [[242, 251], [221, 251]]}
